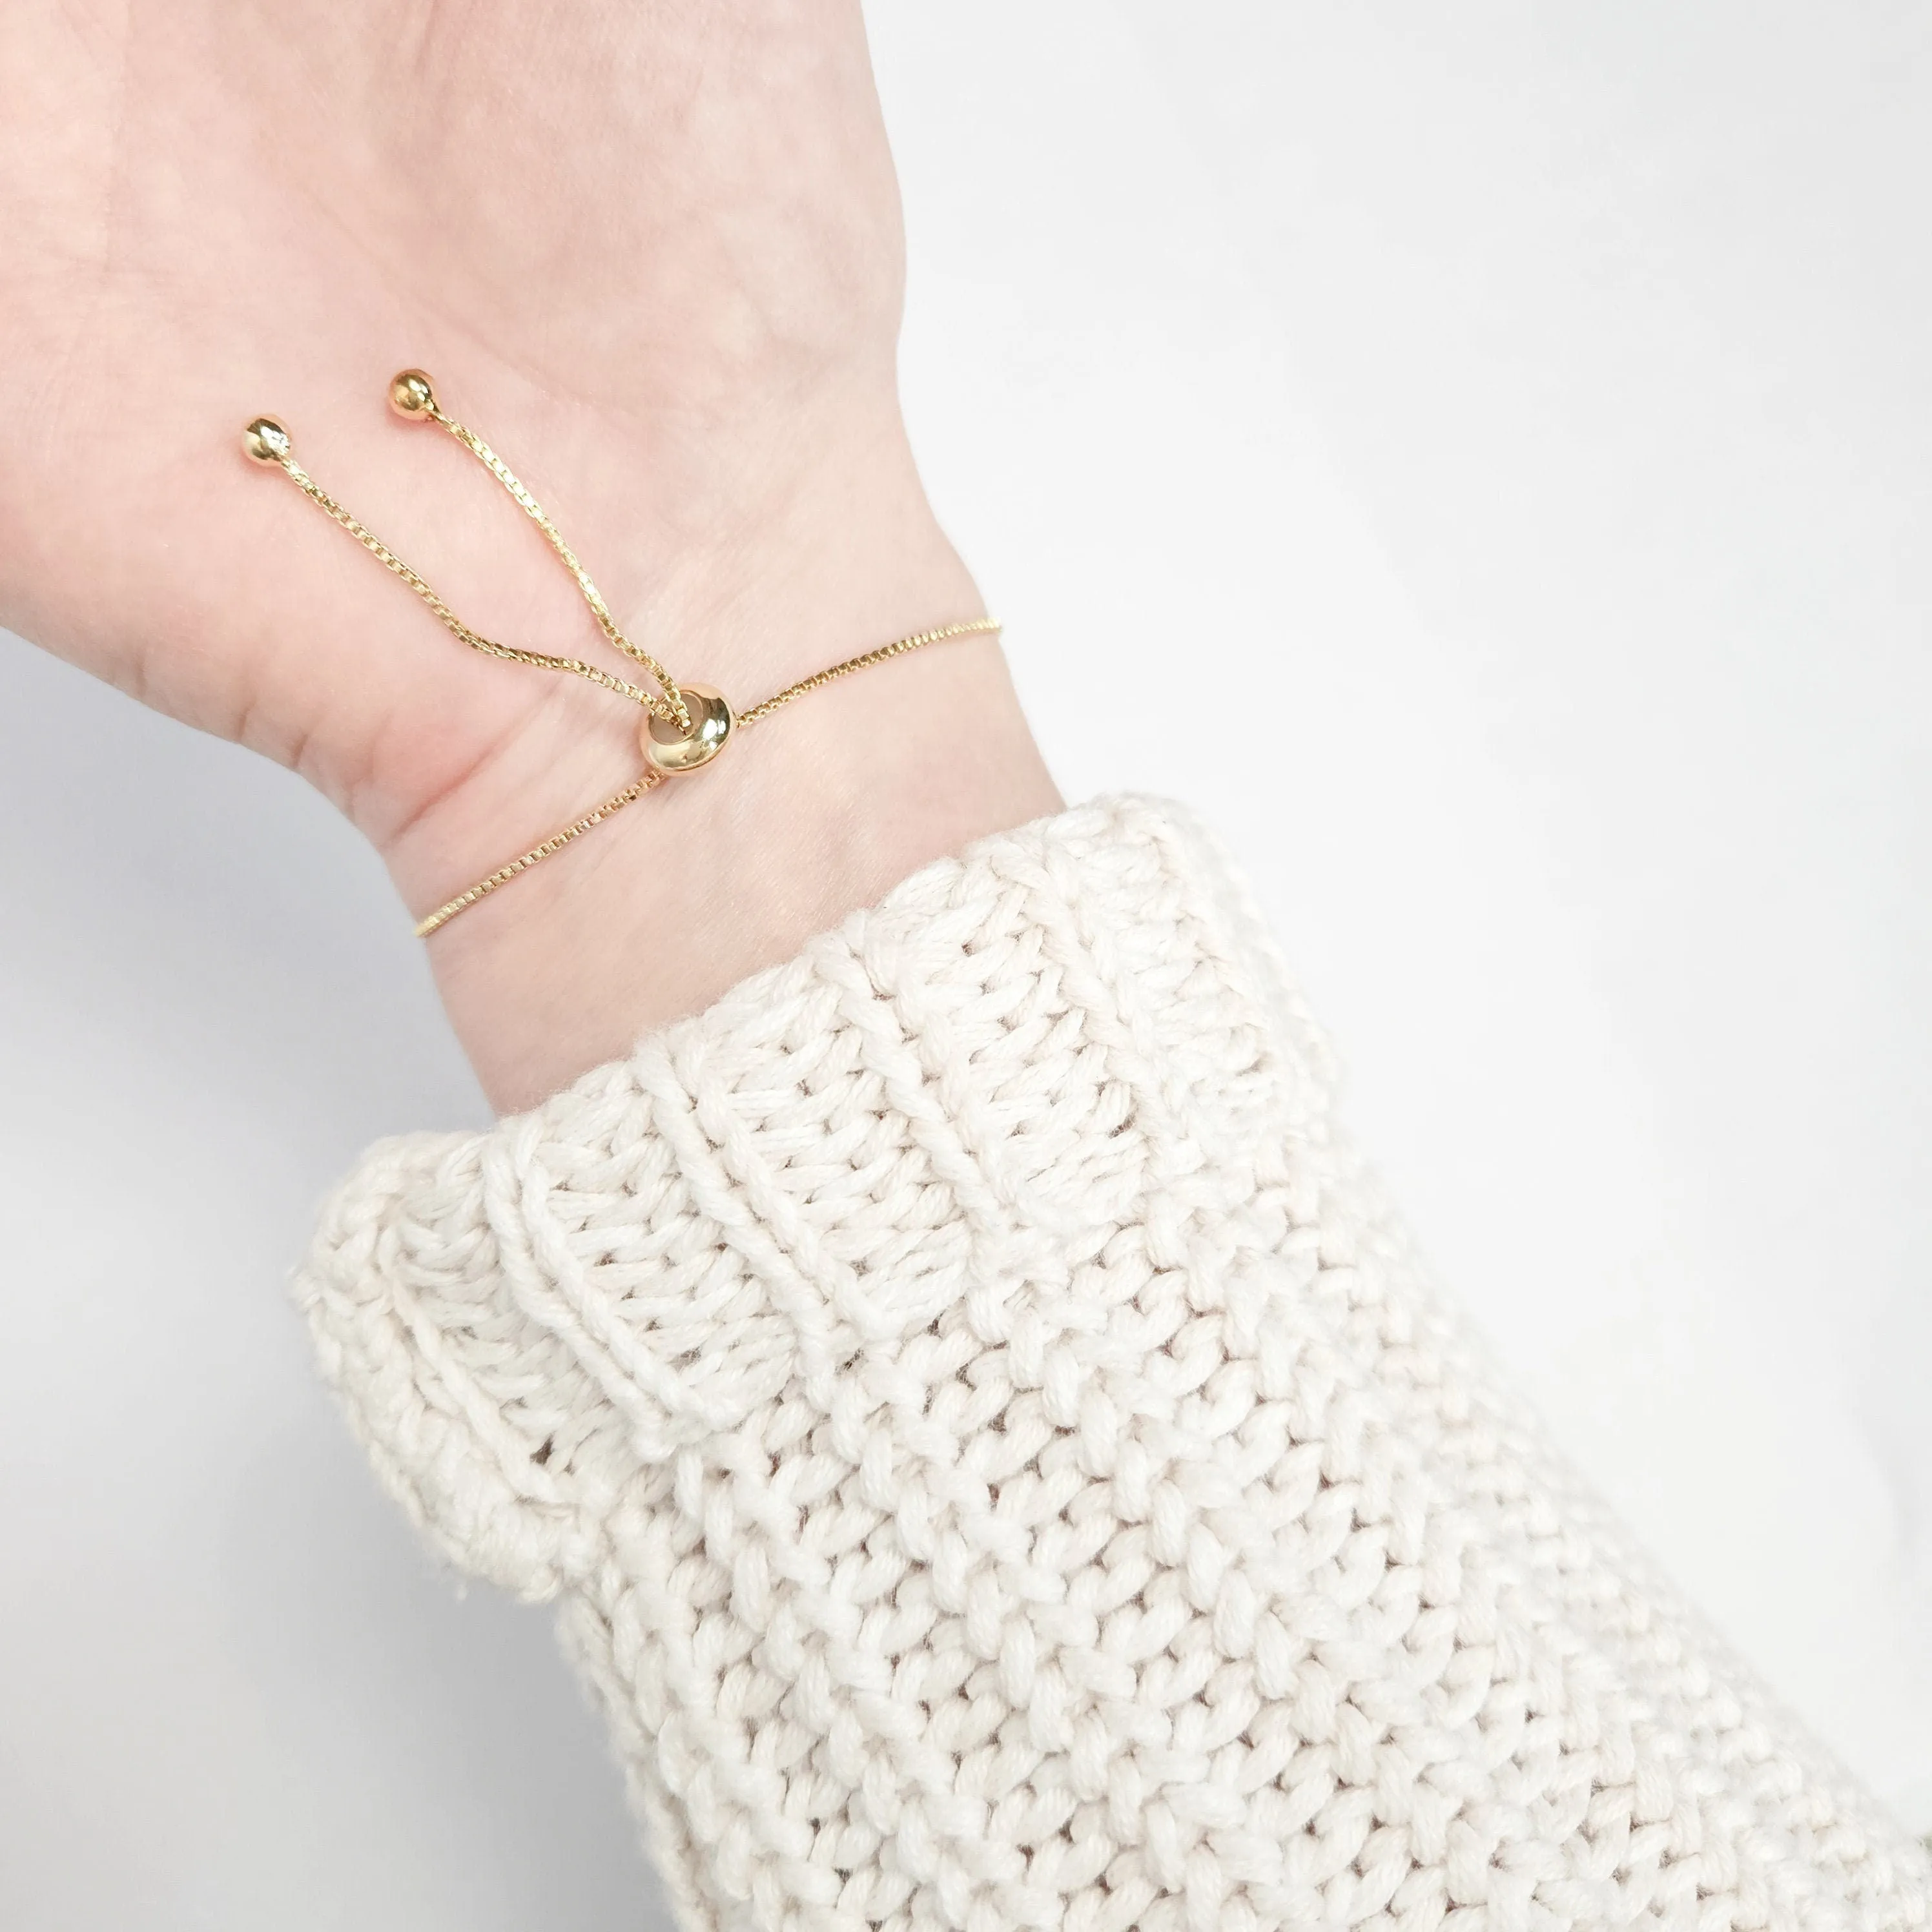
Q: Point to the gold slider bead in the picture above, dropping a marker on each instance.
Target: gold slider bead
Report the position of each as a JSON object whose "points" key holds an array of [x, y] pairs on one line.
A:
{"points": [[411, 396], [672, 751], [266, 441]]}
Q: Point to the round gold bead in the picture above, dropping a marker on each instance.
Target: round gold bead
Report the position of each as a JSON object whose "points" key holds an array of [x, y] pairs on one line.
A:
{"points": [[411, 396], [266, 441], [674, 752]]}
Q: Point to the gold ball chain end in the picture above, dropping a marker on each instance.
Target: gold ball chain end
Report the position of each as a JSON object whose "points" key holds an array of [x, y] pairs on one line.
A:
{"points": [[266, 441], [412, 396]]}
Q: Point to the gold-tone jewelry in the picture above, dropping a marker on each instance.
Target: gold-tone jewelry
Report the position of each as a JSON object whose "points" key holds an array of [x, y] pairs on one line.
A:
{"points": [[671, 751], [685, 726], [556, 842]]}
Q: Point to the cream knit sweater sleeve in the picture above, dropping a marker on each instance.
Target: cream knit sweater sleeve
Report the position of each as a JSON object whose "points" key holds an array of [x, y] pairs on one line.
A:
{"points": [[999, 1467]]}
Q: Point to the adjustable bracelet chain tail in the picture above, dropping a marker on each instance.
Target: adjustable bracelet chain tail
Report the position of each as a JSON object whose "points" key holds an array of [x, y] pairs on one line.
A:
{"points": [[685, 726], [413, 399]]}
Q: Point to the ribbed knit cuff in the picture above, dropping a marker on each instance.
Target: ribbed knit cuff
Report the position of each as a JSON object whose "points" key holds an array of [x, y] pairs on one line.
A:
{"points": [[1003, 1057], [1001, 1468]]}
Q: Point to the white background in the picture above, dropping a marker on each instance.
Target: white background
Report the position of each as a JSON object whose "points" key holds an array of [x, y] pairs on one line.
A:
{"points": [[1506, 428]]}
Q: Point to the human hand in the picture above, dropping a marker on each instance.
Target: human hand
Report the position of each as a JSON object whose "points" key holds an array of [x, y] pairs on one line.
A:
{"points": [[653, 252]]}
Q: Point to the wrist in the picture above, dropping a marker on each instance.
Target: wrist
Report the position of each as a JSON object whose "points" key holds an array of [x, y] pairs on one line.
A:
{"points": [[820, 809]]}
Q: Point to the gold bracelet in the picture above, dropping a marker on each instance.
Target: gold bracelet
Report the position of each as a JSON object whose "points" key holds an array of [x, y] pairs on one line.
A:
{"points": [[685, 726]]}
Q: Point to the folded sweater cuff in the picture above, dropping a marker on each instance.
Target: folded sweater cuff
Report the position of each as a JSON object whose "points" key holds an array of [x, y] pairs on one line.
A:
{"points": [[1015, 1053], [1001, 1468]]}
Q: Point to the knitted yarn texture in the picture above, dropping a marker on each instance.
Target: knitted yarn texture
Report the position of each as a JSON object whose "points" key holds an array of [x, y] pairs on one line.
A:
{"points": [[999, 1467]]}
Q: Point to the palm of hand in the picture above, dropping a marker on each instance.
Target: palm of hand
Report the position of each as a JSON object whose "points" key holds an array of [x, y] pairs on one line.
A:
{"points": [[648, 237]]}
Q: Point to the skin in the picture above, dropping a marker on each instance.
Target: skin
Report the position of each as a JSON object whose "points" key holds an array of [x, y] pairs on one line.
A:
{"points": [[653, 252]]}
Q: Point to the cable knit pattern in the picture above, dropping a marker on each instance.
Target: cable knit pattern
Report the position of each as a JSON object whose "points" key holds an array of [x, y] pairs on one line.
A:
{"points": [[999, 1469]]}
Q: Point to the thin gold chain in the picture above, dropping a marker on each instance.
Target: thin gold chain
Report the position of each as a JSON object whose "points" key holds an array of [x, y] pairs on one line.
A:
{"points": [[898, 648], [267, 442], [670, 708], [509, 653], [557, 841]]}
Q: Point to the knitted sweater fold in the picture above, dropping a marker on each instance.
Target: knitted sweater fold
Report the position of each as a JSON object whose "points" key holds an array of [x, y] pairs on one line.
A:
{"points": [[999, 1467]]}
